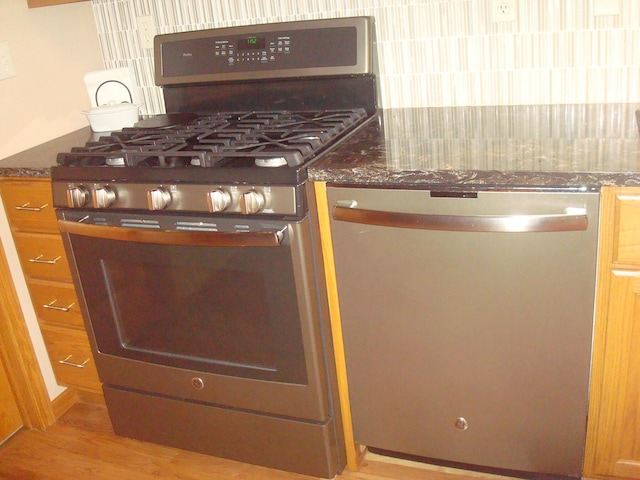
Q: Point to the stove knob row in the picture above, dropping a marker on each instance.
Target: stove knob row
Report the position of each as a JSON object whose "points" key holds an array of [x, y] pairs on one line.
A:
{"points": [[103, 197], [218, 200], [158, 199], [252, 202], [249, 202]]}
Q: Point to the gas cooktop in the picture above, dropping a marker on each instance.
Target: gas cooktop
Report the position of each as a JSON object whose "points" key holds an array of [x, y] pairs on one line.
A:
{"points": [[222, 140]]}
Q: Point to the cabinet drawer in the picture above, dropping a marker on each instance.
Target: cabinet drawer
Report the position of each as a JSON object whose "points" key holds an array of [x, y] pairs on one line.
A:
{"points": [[71, 357], [56, 303], [29, 205], [42, 256]]}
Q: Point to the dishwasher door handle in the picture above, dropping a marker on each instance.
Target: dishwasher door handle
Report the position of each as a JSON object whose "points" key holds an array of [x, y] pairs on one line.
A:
{"points": [[564, 222]]}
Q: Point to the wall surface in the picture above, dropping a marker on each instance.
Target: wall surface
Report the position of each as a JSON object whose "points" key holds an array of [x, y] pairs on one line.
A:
{"points": [[432, 52], [51, 48]]}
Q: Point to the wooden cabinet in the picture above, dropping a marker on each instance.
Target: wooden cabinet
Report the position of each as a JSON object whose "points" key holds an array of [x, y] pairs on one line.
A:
{"points": [[613, 439], [29, 208], [10, 418]]}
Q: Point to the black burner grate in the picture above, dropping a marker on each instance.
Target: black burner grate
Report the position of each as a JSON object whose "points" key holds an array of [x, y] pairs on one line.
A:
{"points": [[222, 140]]}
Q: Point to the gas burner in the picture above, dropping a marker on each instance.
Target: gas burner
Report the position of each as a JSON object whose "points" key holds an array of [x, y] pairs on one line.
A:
{"points": [[271, 139], [271, 162]]}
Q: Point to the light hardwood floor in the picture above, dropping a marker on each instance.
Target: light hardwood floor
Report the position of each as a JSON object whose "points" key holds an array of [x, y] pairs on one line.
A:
{"points": [[82, 446]]}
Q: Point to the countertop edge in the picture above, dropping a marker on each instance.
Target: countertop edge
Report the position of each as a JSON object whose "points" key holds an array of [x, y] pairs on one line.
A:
{"points": [[473, 178]]}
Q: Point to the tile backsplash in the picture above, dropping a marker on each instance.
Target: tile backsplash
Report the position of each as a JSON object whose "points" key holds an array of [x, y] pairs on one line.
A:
{"points": [[431, 52]]}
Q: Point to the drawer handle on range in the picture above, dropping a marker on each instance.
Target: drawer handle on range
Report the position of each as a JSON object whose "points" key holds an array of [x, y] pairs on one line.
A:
{"points": [[39, 259], [564, 222], [25, 206], [73, 364], [51, 306]]}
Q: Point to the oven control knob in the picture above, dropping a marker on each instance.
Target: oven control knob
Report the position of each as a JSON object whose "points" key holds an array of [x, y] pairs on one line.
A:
{"points": [[251, 202], [103, 197], [158, 198], [77, 197], [218, 200]]}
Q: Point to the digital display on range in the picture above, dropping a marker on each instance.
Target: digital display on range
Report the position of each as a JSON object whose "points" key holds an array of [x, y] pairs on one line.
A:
{"points": [[251, 43]]}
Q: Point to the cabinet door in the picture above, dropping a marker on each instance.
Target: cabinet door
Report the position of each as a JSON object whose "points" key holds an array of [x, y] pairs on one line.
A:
{"points": [[618, 452], [625, 250], [10, 419]]}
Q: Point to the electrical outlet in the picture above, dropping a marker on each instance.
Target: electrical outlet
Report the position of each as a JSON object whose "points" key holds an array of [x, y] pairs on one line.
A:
{"points": [[504, 10], [7, 70], [146, 31]]}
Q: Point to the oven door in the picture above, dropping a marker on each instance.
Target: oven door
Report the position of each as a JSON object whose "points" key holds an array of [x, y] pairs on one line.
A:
{"points": [[215, 313]]}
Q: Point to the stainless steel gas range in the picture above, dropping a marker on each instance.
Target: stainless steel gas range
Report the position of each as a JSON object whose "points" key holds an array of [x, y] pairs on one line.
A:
{"points": [[194, 251]]}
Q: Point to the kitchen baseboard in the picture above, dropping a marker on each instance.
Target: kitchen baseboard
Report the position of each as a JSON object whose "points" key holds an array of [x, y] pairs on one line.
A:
{"points": [[64, 402]]}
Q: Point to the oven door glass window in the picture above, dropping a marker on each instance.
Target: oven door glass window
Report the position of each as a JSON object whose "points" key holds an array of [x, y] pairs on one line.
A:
{"points": [[224, 310]]}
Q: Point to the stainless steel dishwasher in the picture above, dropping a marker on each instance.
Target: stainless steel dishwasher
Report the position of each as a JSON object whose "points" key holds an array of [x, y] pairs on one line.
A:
{"points": [[467, 320]]}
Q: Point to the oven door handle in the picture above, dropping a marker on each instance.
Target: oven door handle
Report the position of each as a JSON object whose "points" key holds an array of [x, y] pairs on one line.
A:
{"points": [[271, 238]]}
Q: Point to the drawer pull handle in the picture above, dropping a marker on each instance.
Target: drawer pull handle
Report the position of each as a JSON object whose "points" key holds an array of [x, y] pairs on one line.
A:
{"points": [[25, 206], [73, 364], [51, 306], [39, 259]]}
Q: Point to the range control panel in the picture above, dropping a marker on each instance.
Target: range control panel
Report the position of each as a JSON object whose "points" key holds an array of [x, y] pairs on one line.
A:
{"points": [[279, 50], [217, 199], [252, 49]]}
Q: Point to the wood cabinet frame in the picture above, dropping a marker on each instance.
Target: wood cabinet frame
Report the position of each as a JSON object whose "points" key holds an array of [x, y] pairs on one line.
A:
{"points": [[612, 450], [19, 356]]}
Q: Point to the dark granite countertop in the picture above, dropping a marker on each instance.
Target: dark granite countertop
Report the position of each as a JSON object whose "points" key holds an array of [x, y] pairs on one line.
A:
{"points": [[37, 161], [502, 147]]}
